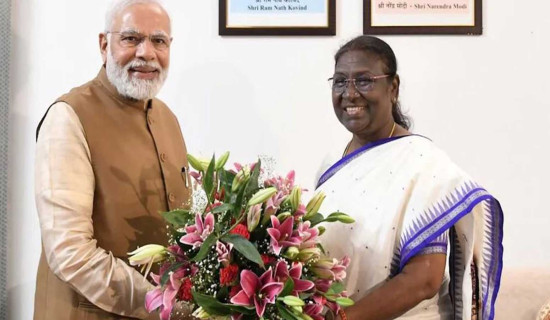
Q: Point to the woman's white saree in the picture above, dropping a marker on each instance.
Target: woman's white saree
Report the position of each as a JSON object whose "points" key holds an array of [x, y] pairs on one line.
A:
{"points": [[408, 198]]}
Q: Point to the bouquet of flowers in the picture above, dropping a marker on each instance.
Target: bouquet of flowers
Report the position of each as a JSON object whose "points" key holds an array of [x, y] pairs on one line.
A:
{"points": [[247, 249]]}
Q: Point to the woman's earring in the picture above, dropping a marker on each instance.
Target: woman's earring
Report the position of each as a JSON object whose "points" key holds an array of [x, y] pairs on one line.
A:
{"points": [[394, 100]]}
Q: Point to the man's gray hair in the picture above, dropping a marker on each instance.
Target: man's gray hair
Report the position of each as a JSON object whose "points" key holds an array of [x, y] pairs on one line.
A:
{"points": [[117, 6]]}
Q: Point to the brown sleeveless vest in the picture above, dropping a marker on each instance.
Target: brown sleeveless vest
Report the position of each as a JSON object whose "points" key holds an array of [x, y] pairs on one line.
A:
{"points": [[137, 154]]}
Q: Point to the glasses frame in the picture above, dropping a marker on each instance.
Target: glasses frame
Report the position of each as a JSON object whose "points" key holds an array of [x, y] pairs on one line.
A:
{"points": [[348, 80], [142, 38]]}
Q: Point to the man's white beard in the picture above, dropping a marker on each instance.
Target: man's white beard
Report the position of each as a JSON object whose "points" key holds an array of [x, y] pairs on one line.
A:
{"points": [[131, 87]]}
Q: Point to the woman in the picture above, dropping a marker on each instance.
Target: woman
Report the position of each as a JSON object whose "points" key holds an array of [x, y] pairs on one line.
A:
{"points": [[414, 209]]}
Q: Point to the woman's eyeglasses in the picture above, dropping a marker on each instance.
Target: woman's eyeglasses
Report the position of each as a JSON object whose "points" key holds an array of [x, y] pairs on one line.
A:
{"points": [[362, 84]]}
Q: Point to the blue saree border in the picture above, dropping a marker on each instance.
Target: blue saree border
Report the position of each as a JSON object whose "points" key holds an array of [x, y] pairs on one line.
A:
{"points": [[494, 241], [350, 157], [442, 217]]}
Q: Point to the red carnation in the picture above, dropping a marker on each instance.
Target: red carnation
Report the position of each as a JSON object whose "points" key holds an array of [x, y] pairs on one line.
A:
{"points": [[229, 274], [267, 259], [241, 230], [185, 290]]}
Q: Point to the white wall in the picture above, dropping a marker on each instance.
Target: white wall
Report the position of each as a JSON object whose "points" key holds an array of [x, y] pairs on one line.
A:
{"points": [[483, 99]]}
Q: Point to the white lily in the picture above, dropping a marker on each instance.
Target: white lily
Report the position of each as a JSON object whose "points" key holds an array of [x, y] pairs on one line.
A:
{"points": [[147, 255]]}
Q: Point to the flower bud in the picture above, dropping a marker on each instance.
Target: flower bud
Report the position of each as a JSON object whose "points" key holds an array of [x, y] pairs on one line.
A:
{"points": [[309, 253], [253, 217], [325, 263], [262, 195], [295, 196], [221, 161], [195, 163], [150, 253], [292, 301], [291, 253], [314, 204], [284, 215], [241, 178]]}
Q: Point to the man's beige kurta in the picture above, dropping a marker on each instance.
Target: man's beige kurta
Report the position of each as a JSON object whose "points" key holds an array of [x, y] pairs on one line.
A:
{"points": [[105, 168]]}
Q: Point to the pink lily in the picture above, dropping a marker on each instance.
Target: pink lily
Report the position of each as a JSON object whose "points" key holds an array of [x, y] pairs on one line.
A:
{"points": [[314, 311], [239, 167], [253, 217], [197, 176], [331, 269], [307, 234], [176, 251], [339, 269], [282, 273], [224, 250], [322, 285], [272, 205], [281, 234], [300, 211], [165, 298], [257, 291], [284, 185], [322, 301], [197, 233]]}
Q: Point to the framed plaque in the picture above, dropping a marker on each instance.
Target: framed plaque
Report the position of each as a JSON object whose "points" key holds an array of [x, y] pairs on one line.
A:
{"points": [[277, 17], [422, 17]]}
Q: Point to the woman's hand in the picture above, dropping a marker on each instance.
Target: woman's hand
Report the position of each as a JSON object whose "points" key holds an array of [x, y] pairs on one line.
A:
{"points": [[420, 279]]}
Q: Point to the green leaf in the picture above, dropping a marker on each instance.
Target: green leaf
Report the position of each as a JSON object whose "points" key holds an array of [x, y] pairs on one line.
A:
{"points": [[337, 287], [166, 274], [245, 247], [252, 184], [316, 219], [178, 218], [330, 297], [288, 287], [285, 313], [211, 305], [222, 293], [344, 302], [223, 208], [208, 242], [339, 216], [226, 178], [241, 309], [238, 202], [208, 182]]}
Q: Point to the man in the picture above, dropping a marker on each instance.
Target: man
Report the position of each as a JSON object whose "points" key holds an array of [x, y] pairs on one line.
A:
{"points": [[109, 158]]}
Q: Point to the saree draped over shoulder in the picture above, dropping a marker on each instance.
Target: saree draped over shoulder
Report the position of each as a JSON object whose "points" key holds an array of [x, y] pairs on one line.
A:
{"points": [[408, 198]]}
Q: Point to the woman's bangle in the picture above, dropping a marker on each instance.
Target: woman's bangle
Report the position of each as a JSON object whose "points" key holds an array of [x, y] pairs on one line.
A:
{"points": [[342, 314]]}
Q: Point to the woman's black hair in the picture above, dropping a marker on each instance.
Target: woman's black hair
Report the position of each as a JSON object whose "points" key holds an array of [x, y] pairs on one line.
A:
{"points": [[383, 50]]}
